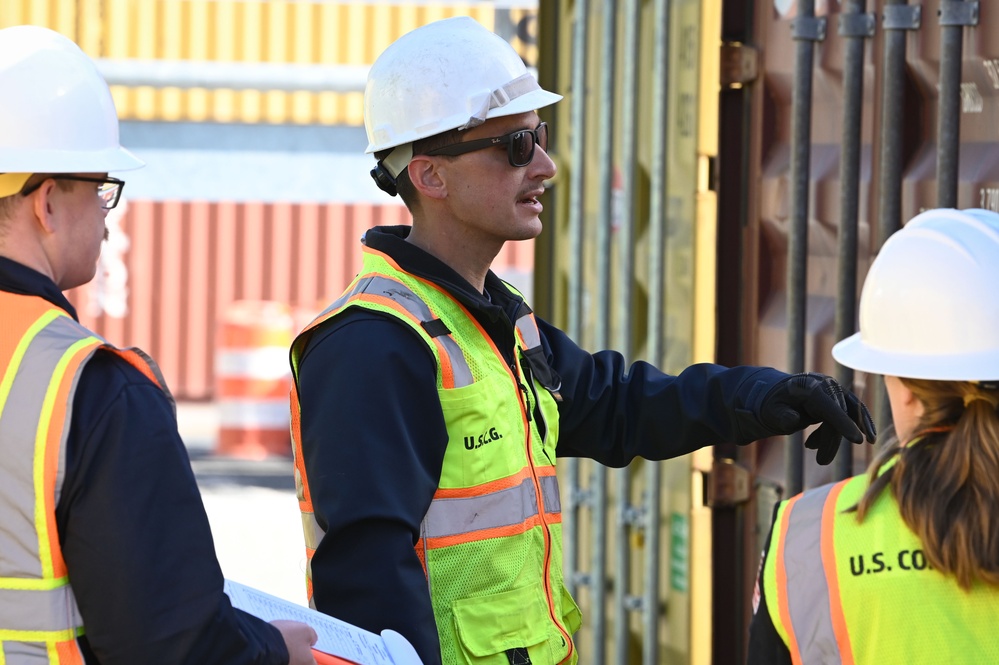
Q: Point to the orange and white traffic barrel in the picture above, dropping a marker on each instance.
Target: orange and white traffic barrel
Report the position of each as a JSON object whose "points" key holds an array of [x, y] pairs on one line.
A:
{"points": [[253, 379]]}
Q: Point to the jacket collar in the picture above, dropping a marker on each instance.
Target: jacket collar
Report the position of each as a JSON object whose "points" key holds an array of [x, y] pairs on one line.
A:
{"points": [[392, 241], [18, 278]]}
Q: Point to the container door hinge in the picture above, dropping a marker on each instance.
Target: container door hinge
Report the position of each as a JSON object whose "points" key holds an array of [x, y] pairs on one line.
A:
{"points": [[727, 485], [739, 64]]}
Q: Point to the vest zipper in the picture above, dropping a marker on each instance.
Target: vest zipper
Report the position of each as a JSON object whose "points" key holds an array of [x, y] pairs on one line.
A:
{"points": [[527, 401], [539, 414], [545, 530]]}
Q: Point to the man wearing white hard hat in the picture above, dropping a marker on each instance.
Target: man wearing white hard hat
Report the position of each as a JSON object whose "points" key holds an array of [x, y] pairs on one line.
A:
{"points": [[909, 565], [430, 403], [106, 556]]}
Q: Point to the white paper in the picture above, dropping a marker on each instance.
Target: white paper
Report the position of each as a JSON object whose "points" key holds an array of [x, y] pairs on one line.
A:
{"points": [[336, 637]]}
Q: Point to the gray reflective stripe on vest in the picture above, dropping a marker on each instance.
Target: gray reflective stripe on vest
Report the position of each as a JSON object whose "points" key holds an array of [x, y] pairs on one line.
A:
{"points": [[549, 490], [32, 609], [412, 303], [528, 328], [18, 429], [506, 507], [807, 588], [49, 610]]}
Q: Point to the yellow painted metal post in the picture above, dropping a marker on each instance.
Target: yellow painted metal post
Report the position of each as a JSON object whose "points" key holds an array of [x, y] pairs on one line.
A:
{"points": [[705, 256]]}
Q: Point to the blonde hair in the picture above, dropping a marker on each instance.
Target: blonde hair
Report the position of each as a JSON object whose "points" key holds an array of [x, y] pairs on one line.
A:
{"points": [[946, 481]]}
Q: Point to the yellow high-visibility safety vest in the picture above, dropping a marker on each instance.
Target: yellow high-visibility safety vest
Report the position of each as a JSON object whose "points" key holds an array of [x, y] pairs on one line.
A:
{"points": [[839, 591], [42, 352], [491, 540]]}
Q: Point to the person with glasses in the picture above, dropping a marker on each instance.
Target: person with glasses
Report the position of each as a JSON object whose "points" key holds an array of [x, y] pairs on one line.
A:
{"points": [[430, 404], [106, 555]]}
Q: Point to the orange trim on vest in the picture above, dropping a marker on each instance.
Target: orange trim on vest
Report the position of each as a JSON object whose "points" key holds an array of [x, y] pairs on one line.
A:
{"points": [[305, 501], [142, 366], [782, 601], [447, 372], [69, 653], [53, 446], [485, 534], [485, 488], [832, 576]]}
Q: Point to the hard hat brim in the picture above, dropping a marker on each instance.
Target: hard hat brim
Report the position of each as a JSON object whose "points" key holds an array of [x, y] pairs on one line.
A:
{"points": [[67, 161], [855, 353]]}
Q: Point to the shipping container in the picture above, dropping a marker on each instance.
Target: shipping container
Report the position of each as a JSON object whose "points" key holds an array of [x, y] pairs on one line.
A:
{"points": [[153, 39], [728, 170], [256, 184]]}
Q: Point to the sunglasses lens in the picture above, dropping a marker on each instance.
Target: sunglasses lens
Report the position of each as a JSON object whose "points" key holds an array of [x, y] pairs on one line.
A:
{"points": [[522, 148], [542, 135]]}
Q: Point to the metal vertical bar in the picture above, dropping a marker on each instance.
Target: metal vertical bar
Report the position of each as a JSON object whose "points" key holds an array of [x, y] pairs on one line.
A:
{"points": [[605, 158], [622, 567], [576, 224], [807, 29], [657, 226], [898, 17], [629, 93], [854, 26], [890, 129], [626, 258], [949, 104]]}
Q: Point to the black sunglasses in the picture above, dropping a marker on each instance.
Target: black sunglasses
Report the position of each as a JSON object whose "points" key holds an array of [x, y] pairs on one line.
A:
{"points": [[519, 145], [109, 191]]}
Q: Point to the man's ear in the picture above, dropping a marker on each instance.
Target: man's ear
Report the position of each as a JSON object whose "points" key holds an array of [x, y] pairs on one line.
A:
{"points": [[43, 206], [427, 177]]}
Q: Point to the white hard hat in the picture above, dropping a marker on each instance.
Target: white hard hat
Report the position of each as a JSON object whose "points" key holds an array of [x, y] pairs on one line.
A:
{"points": [[450, 74], [57, 113], [929, 308]]}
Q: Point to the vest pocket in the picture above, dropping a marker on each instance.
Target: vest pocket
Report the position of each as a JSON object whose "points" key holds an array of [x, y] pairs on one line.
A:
{"points": [[488, 626], [572, 618]]}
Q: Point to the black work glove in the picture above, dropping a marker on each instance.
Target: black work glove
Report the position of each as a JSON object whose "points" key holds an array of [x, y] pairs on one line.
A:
{"points": [[800, 400]]}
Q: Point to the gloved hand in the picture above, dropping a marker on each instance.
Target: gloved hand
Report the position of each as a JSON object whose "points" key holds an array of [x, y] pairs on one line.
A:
{"points": [[800, 400]]}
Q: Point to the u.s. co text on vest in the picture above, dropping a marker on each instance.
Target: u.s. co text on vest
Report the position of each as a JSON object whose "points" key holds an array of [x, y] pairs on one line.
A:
{"points": [[876, 563]]}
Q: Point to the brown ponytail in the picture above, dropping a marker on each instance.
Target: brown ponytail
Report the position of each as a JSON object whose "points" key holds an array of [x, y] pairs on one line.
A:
{"points": [[946, 483]]}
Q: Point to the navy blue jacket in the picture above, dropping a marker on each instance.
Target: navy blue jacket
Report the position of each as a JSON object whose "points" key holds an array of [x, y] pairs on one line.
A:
{"points": [[373, 434], [133, 528]]}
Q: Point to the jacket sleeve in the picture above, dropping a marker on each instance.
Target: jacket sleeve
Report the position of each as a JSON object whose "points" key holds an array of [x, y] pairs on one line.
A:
{"points": [[766, 647], [373, 441], [613, 413], [136, 538]]}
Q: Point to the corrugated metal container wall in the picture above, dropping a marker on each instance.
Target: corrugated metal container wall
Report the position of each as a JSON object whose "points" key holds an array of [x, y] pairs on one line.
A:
{"points": [[889, 148], [627, 262], [349, 33], [920, 148], [173, 266], [170, 270], [771, 321]]}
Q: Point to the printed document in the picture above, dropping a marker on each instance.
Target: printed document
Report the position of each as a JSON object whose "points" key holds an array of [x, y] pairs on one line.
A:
{"points": [[336, 637]]}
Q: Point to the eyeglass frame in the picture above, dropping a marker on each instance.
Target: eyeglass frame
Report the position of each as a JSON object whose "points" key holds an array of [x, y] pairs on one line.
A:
{"points": [[107, 180], [463, 147]]}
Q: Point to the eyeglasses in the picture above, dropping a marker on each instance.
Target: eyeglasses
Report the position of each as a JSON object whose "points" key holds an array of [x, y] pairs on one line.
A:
{"points": [[108, 190], [519, 145]]}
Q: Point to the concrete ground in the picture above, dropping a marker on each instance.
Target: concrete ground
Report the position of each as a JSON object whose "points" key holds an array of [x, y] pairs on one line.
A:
{"points": [[252, 508]]}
